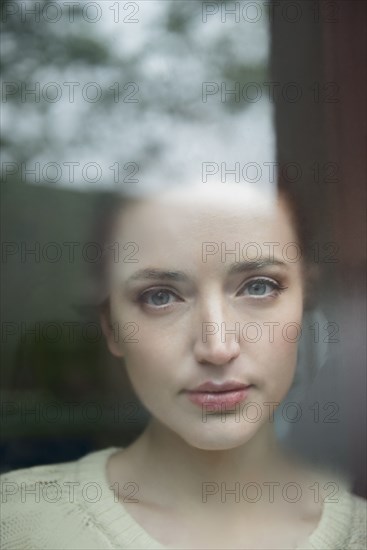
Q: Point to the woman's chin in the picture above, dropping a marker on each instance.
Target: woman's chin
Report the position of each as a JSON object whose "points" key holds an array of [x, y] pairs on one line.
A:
{"points": [[219, 435]]}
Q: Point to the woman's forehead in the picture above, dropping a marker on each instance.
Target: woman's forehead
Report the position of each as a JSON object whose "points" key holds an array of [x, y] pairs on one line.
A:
{"points": [[170, 236], [180, 222], [201, 233]]}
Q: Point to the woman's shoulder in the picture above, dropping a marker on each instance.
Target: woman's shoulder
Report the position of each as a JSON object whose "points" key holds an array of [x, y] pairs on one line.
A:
{"points": [[44, 506], [343, 515], [343, 523], [34, 473], [34, 481], [26, 487], [358, 531]]}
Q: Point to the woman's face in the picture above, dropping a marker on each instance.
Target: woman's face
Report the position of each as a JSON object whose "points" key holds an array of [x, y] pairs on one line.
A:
{"points": [[210, 292]]}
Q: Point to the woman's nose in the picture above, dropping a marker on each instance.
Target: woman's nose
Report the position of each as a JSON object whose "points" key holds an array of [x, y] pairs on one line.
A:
{"points": [[217, 337]]}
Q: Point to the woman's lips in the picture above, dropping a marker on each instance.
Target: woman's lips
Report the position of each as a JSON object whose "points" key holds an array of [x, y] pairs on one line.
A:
{"points": [[215, 398]]}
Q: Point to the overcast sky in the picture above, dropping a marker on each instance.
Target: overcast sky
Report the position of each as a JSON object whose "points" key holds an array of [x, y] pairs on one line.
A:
{"points": [[169, 131]]}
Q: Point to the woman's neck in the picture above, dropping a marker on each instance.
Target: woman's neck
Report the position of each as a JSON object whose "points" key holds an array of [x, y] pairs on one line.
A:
{"points": [[166, 465]]}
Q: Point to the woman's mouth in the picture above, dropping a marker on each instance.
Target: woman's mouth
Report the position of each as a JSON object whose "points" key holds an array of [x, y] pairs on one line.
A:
{"points": [[218, 397]]}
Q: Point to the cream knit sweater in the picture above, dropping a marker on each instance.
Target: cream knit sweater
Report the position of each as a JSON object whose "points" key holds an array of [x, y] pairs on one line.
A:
{"points": [[71, 506]]}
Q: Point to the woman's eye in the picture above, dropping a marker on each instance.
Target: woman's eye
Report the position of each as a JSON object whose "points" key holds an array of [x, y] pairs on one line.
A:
{"points": [[261, 288], [158, 298]]}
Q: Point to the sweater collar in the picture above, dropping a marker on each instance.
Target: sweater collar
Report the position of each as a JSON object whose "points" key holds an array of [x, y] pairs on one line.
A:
{"points": [[100, 501]]}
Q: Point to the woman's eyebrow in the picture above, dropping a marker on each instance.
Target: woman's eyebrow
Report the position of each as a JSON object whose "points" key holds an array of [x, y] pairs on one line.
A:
{"points": [[157, 275], [152, 274], [244, 267]]}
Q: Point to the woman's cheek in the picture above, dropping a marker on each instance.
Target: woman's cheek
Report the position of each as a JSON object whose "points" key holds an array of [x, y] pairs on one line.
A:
{"points": [[281, 366], [148, 378], [149, 360]]}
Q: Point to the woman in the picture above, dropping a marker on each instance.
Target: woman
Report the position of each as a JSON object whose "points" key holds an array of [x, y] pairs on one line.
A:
{"points": [[215, 290]]}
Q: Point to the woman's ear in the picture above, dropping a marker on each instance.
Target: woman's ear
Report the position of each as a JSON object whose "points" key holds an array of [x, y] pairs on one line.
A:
{"points": [[110, 332]]}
